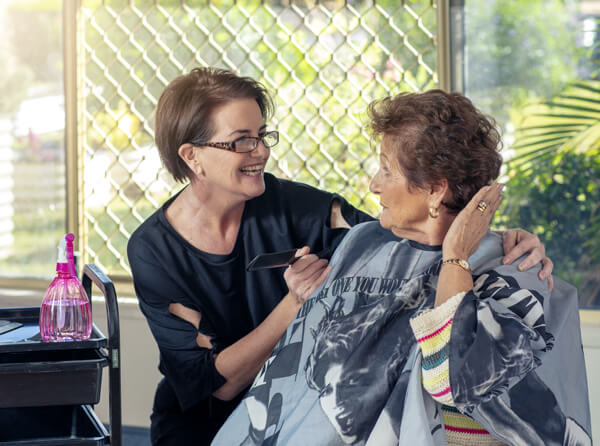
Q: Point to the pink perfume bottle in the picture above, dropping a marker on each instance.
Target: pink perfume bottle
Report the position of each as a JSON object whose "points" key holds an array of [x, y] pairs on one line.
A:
{"points": [[65, 314]]}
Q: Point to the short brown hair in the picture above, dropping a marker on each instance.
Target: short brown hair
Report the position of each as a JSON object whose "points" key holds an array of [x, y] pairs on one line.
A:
{"points": [[440, 135], [184, 110]]}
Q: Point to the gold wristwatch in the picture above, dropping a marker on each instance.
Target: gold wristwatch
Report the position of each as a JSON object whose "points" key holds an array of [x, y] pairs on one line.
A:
{"points": [[460, 262]]}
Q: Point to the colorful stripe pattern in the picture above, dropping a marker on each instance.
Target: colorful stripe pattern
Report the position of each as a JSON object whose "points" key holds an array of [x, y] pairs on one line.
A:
{"points": [[462, 430], [432, 329]]}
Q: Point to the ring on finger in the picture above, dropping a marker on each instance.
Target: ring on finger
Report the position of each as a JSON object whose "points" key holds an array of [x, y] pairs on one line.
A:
{"points": [[482, 206]]}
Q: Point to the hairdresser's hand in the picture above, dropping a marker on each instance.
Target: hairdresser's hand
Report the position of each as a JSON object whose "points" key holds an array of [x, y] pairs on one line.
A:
{"points": [[472, 223], [305, 275], [518, 242]]}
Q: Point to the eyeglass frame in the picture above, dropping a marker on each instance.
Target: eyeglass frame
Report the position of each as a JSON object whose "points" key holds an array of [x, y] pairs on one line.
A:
{"points": [[230, 146]]}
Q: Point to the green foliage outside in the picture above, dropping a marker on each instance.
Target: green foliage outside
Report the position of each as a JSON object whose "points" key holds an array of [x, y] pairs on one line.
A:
{"points": [[34, 247], [518, 51], [31, 50], [559, 200], [523, 67], [554, 183], [31, 53]]}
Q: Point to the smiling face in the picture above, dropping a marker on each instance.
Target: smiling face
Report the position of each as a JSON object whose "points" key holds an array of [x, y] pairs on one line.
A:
{"points": [[405, 211], [230, 174]]}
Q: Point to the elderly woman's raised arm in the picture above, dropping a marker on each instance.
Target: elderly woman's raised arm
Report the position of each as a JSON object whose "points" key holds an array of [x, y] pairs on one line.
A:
{"points": [[497, 346], [508, 354], [498, 330]]}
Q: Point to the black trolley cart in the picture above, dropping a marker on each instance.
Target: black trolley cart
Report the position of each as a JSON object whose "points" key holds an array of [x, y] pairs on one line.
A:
{"points": [[48, 389]]}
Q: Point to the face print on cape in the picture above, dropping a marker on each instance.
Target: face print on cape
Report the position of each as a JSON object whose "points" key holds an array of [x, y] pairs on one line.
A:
{"points": [[357, 357], [345, 361]]}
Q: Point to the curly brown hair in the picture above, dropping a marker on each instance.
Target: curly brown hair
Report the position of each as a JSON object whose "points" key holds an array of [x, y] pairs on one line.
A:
{"points": [[183, 113], [439, 135]]}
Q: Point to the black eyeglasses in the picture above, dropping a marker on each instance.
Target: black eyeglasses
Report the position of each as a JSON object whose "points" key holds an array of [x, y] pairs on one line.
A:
{"points": [[244, 144]]}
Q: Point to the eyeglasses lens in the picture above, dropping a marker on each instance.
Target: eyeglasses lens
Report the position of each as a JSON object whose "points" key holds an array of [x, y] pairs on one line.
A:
{"points": [[245, 145], [249, 144], [271, 138]]}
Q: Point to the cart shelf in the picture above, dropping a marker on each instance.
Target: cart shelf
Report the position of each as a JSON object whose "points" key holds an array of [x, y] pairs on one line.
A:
{"points": [[47, 388]]}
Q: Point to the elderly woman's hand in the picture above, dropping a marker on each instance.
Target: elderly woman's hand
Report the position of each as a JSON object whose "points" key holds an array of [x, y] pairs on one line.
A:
{"points": [[305, 275], [472, 223]]}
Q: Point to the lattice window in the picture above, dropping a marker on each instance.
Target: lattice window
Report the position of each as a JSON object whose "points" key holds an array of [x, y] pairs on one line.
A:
{"points": [[324, 61]]}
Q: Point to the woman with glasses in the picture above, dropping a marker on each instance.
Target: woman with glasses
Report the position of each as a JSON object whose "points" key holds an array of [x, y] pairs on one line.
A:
{"points": [[215, 323]]}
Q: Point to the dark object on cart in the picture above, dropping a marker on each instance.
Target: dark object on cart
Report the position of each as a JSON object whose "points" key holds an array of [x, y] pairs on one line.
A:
{"points": [[47, 388]]}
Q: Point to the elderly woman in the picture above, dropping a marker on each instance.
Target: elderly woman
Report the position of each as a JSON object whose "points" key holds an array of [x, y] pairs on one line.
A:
{"points": [[215, 324], [420, 334]]}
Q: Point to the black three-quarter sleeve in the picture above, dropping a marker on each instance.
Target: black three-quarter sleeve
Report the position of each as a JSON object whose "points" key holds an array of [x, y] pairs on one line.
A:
{"points": [[189, 369]]}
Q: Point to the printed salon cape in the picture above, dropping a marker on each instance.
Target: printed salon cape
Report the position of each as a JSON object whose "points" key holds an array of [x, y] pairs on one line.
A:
{"points": [[349, 370]]}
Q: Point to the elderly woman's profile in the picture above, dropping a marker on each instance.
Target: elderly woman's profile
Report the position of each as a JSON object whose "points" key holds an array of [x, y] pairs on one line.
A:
{"points": [[420, 334]]}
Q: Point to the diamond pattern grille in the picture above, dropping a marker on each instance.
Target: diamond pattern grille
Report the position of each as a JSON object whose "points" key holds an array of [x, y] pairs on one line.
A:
{"points": [[323, 61]]}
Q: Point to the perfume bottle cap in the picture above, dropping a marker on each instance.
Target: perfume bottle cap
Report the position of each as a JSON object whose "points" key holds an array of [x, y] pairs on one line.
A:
{"points": [[70, 257], [62, 251], [62, 265], [65, 262]]}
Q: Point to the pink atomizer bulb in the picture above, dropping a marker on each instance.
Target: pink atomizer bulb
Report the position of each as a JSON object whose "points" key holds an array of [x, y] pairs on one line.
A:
{"points": [[65, 314]]}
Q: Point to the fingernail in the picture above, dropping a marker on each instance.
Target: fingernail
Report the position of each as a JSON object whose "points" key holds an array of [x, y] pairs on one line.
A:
{"points": [[505, 261]]}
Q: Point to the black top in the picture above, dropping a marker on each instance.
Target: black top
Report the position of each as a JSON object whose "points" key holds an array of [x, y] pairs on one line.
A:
{"points": [[232, 302]]}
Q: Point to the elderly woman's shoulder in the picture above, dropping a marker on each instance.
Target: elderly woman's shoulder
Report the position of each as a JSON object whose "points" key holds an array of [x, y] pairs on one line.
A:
{"points": [[372, 230], [489, 253]]}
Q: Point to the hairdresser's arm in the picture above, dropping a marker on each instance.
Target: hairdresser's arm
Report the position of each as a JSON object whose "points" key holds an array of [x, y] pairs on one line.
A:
{"points": [[240, 362], [517, 242]]}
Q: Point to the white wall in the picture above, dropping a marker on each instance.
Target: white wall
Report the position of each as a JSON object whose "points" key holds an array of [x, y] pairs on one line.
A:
{"points": [[590, 333]]}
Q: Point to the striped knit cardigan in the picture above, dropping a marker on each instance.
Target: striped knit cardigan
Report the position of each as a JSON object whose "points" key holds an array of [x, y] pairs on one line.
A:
{"points": [[432, 329]]}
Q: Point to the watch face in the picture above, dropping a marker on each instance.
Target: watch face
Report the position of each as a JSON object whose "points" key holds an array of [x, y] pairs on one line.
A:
{"points": [[464, 264]]}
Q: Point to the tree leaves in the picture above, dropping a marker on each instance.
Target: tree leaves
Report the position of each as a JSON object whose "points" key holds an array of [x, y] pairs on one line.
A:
{"points": [[554, 183], [569, 122]]}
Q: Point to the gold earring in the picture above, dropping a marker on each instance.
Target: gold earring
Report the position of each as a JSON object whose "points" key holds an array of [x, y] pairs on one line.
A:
{"points": [[434, 212]]}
